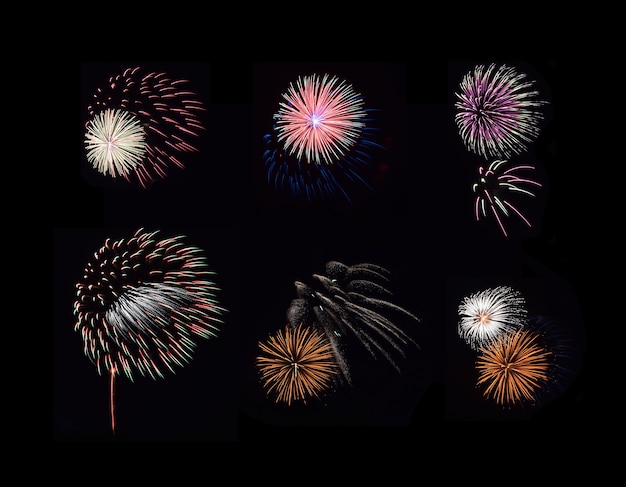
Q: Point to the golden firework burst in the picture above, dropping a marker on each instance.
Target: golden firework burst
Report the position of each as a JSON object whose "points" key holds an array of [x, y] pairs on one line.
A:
{"points": [[513, 368], [296, 364]]}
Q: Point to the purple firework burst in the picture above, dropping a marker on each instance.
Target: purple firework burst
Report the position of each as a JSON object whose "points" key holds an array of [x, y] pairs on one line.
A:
{"points": [[495, 187], [140, 124], [498, 114]]}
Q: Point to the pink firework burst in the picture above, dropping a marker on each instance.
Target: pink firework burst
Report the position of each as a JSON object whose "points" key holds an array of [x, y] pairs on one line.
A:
{"points": [[495, 187], [320, 119], [498, 114], [165, 111]]}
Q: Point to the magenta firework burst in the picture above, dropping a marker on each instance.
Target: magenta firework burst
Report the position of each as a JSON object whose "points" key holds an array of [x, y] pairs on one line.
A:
{"points": [[321, 138], [141, 123], [498, 111], [496, 188], [487, 314], [142, 303]]}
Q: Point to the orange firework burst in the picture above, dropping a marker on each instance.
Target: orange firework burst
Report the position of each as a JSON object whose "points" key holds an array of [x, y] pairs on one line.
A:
{"points": [[297, 363], [514, 368]]}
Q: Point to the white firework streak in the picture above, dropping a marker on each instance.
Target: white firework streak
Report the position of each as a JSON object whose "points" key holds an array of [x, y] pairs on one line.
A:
{"points": [[497, 114], [128, 322], [485, 315], [115, 142], [507, 180], [320, 120]]}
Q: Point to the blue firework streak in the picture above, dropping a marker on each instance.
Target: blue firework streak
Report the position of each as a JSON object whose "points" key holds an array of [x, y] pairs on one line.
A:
{"points": [[320, 181]]}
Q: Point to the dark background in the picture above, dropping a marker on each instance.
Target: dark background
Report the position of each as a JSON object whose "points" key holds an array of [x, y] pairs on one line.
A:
{"points": [[418, 222]]}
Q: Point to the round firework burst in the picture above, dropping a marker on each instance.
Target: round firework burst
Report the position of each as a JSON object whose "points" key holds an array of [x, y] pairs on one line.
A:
{"points": [[498, 114], [115, 143], [321, 139], [485, 315], [143, 302], [353, 300], [496, 187], [514, 368], [161, 121], [296, 364]]}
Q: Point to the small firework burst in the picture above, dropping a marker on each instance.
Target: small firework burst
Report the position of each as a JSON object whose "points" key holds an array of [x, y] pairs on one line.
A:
{"points": [[115, 143], [321, 140], [514, 368], [160, 118], [487, 314], [353, 301], [496, 187], [498, 114], [297, 364], [142, 303]]}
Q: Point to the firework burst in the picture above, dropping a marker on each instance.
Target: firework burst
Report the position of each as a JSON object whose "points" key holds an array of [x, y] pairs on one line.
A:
{"points": [[485, 315], [297, 364], [353, 301], [514, 368], [140, 123], [142, 303], [498, 112], [321, 140], [495, 188]]}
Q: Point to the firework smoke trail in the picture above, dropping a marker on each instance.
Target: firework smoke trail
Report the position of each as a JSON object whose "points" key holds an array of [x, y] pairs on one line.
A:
{"points": [[321, 139], [494, 188], [498, 114], [353, 300], [296, 364], [142, 303], [487, 314], [514, 368], [140, 123]]}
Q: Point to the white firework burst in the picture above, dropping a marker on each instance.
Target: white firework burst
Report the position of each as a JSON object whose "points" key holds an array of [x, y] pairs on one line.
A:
{"points": [[115, 142], [485, 315]]}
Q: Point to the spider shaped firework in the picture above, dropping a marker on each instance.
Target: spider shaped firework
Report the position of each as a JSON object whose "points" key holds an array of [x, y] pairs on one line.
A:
{"points": [[352, 301], [297, 363], [495, 188], [498, 115], [485, 315], [140, 123], [321, 139], [142, 303]]}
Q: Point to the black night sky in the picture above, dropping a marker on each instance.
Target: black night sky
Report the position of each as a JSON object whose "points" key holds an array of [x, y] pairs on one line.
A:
{"points": [[417, 221]]}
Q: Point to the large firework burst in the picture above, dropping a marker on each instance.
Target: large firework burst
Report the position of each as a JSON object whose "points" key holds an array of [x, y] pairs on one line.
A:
{"points": [[487, 314], [321, 139], [496, 187], [498, 114], [353, 301], [140, 123], [142, 303], [296, 364], [514, 368]]}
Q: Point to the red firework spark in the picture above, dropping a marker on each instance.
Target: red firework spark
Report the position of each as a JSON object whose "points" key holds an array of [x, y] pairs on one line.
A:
{"points": [[320, 119], [168, 112]]}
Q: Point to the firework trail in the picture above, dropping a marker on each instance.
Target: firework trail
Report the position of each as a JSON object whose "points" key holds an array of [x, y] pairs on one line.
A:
{"points": [[321, 139], [140, 123], [487, 314], [498, 114], [514, 368], [142, 303], [296, 364], [352, 301], [495, 187]]}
